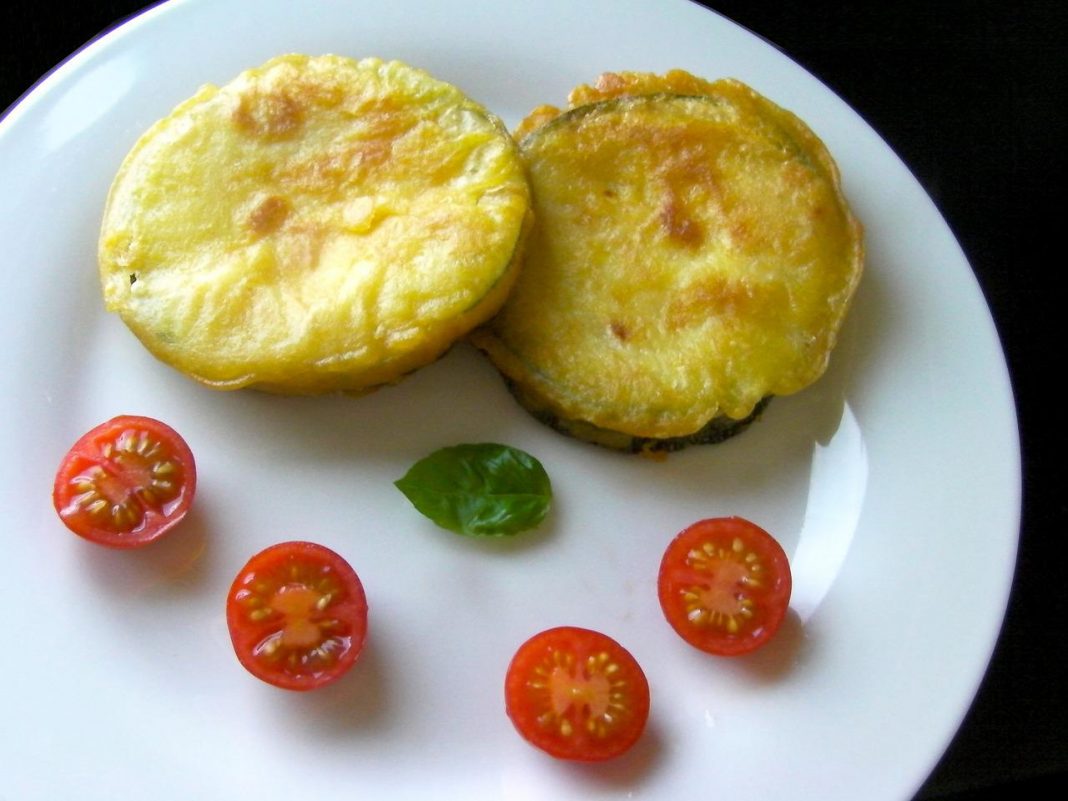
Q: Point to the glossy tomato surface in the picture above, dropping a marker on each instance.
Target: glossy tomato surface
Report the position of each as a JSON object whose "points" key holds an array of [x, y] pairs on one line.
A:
{"points": [[577, 694], [126, 482], [724, 585], [297, 615]]}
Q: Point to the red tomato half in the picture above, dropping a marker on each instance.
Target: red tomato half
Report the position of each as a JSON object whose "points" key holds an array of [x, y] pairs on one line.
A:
{"points": [[125, 483], [725, 585], [576, 694], [297, 615]]}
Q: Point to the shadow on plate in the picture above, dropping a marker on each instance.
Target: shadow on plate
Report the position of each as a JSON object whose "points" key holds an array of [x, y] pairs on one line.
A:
{"points": [[778, 657], [177, 564], [626, 772], [354, 705]]}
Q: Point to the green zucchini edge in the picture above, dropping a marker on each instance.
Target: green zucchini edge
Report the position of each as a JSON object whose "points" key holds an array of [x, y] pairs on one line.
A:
{"points": [[716, 430]]}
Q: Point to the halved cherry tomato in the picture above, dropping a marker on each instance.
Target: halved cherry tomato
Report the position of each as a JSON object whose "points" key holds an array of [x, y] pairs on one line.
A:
{"points": [[724, 585], [577, 694], [297, 615], [126, 482]]}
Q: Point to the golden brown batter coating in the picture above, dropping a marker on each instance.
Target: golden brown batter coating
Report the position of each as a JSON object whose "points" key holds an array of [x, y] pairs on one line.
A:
{"points": [[692, 255], [317, 224]]}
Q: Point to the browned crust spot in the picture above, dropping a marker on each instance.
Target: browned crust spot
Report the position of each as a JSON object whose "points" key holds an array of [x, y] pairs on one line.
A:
{"points": [[269, 115], [268, 215]]}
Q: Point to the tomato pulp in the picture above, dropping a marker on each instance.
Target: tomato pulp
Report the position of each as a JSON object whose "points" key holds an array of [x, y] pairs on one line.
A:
{"points": [[297, 615], [577, 694], [724, 585], [126, 482]]}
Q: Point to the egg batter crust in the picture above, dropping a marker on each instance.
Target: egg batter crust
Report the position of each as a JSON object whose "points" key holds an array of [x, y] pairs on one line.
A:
{"points": [[692, 256], [318, 224]]}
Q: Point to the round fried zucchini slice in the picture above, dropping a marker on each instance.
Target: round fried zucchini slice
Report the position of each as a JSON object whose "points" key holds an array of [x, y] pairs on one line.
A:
{"points": [[318, 224], [692, 256]]}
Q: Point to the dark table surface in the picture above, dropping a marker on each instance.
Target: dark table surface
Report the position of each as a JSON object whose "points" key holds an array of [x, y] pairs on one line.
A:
{"points": [[972, 96]]}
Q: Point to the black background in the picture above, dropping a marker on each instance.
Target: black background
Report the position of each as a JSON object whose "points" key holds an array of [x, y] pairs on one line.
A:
{"points": [[972, 96]]}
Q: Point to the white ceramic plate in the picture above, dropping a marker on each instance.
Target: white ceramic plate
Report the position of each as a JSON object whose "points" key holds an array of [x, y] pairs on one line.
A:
{"points": [[893, 483]]}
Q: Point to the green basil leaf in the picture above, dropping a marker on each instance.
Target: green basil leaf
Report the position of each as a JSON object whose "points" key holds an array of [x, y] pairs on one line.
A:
{"points": [[481, 489]]}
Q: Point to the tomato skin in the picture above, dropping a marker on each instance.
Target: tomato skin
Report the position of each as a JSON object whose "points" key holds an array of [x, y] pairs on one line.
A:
{"points": [[126, 482], [722, 572], [297, 615], [576, 694]]}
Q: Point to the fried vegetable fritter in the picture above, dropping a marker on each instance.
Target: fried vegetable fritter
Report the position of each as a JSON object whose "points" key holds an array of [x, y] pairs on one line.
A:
{"points": [[692, 256], [317, 224]]}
